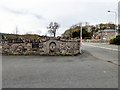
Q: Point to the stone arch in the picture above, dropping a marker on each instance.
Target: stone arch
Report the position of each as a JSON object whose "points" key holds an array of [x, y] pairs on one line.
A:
{"points": [[52, 47]]}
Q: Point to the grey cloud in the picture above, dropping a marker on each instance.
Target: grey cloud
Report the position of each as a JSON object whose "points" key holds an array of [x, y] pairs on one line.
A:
{"points": [[37, 16], [23, 12], [14, 11]]}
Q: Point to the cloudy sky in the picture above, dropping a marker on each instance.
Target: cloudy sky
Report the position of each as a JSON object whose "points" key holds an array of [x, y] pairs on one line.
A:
{"points": [[33, 16]]}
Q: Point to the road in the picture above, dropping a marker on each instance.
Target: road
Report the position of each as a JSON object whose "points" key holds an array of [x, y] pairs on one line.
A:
{"points": [[103, 51], [92, 69]]}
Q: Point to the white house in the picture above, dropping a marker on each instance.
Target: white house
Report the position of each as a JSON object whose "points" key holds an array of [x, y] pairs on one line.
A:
{"points": [[106, 34]]}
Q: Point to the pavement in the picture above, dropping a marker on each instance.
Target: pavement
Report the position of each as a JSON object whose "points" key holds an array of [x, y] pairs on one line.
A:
{"points": [[92, 69], [103, 45], [103, 51]]}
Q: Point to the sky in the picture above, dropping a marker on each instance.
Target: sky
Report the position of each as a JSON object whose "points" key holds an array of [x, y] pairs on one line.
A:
{"points": [[33, 16]]}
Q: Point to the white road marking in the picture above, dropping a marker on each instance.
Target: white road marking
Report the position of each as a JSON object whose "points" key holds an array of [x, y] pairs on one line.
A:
{"points": [[103, 47]]}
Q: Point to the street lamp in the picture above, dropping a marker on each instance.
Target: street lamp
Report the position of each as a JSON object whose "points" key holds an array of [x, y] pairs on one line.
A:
{"points": [[115, 21]]}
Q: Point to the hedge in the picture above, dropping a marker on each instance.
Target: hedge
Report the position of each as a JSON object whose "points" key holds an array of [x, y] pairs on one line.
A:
{"points": [[115, 40]]}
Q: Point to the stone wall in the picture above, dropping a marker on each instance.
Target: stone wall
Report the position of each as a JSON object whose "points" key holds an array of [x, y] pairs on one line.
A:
{"points": [[51, 46]]}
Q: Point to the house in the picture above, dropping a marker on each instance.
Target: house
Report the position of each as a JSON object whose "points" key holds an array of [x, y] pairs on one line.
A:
{"points": [[106, 34]]}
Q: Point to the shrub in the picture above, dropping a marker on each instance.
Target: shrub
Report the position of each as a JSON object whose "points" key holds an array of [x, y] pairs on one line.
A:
{"points": [[115, 40], [111, 41]]}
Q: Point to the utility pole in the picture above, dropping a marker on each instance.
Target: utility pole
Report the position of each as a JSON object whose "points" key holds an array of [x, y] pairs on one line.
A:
{"points": [[80, 38], [16, 31]]}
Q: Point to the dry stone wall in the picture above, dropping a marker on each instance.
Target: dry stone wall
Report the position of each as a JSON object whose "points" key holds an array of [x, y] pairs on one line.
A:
{"points": [[51, 46]]}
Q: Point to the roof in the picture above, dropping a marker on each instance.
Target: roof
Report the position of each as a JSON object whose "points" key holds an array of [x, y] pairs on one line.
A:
{"points": [[106, 31], [109, 30]]}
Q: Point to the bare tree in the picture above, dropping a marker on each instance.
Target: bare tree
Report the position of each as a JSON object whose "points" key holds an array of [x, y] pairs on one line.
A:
{"points": [[53, 26]]}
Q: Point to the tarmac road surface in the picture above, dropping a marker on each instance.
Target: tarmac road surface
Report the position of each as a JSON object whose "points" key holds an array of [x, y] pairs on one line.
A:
{"points": [[89, 70]]}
